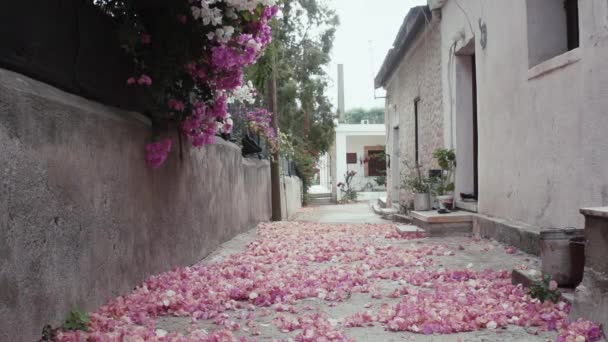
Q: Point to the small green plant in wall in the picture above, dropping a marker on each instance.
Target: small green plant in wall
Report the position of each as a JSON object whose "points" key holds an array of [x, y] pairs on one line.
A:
{"points": [[545, 289], [77, 320]]}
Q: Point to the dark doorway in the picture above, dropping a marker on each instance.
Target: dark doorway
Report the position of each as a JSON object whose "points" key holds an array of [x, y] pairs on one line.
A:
{"points": [[475, 134], [416, 134]]}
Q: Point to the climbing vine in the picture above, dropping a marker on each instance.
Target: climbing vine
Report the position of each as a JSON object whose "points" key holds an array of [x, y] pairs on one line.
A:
{"points": [[189, 56]]}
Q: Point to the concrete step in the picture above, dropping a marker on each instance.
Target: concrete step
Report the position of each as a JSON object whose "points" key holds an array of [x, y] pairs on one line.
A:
{"points": [[321, 201], [385, 213], [457, 223], [404, 229], [320, 195], [402, 218], [382, 202]]}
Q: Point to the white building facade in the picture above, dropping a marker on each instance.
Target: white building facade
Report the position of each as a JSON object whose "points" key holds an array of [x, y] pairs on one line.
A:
{"points": [[524, 101], [355, 145], [541, 104]]}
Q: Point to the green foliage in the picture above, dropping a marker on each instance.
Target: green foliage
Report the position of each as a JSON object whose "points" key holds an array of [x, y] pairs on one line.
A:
{"points": [[413, 179], [349, 194], [299, 52], [355, 116], [446, 159], [381, 180], [48, 333], [305, 167], [77, 321], [543, 291]]}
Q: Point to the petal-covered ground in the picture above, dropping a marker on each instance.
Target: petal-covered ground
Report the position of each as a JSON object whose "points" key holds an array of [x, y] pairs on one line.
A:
{"points": [[310, 281]]}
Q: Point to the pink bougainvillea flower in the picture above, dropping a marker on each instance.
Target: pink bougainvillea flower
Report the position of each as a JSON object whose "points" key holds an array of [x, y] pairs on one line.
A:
{"points": [[144, 80], [182, 18], [553, 285], [176, 105], [157, 152], [145, 39], [131, 81], [291, 262]]}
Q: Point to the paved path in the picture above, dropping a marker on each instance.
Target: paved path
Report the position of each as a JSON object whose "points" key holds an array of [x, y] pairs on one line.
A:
{"points": [[339, 273]]}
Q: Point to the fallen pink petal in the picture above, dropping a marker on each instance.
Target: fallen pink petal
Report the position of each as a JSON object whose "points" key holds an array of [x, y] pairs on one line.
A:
{"points": [[291, 264]]}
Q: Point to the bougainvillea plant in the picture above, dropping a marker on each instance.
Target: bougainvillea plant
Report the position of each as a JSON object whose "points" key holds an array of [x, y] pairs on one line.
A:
{"points": [[259, 121], [190, 56]]}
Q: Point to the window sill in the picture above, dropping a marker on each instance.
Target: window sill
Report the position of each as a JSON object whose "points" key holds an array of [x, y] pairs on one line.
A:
{"points": [[555, 63]]}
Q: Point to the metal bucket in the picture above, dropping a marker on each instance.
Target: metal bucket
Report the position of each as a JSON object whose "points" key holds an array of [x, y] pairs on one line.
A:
{"points": [[422, 202], [558, 260]]}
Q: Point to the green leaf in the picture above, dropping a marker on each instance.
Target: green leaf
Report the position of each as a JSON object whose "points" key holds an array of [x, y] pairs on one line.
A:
{"points": [[77, 320]]}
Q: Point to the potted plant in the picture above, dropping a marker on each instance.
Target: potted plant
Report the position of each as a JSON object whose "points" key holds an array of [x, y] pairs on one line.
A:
{"points": [[443, 185], [419, 186], [349, 194]]}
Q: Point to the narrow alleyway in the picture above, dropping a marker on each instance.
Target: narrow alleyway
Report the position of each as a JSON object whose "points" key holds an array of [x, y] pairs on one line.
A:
{"points": [[340, 273]]}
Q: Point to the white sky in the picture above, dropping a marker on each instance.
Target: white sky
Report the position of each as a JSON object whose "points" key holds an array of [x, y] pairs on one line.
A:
{"points": [[365, 26]]}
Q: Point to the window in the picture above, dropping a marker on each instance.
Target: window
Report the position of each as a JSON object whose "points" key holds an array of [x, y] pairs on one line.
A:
{"points": [[376, 163], [553, 28], [351, 158], [416, 133]]}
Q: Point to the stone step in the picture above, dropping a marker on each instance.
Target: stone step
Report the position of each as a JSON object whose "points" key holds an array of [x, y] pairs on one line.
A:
{"points": [[320, 195], [382, 202], [452, 224], [402, 218], [404, 229], [385, 213], [321, 201]]}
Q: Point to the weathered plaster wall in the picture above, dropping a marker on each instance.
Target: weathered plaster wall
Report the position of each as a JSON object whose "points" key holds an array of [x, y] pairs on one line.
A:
{"points": [[418, 76], [291, 196], [83, 219], [543, 148]]}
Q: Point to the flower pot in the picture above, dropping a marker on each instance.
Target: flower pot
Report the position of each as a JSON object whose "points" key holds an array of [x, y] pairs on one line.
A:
{"points": [[558, 259], [446, 201], [422, 202]]}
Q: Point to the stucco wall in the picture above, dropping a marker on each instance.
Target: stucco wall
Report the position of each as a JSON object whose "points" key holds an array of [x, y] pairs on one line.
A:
{"points": [[355, 137], [361, 145], [418, 76], [543, 148], [291, 196], [83, 219]]}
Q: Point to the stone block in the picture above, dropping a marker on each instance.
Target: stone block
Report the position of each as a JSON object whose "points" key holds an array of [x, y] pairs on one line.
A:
{"points": [[525, 238]]}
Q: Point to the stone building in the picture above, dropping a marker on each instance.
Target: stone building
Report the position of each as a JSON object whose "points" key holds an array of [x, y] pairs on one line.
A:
{"points": [[519, 89], [411, 75]]}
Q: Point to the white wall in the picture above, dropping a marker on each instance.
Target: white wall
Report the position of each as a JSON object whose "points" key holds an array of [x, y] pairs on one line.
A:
{"points": [[357, 144], [543, 142], [291, 196], [353, 138]]}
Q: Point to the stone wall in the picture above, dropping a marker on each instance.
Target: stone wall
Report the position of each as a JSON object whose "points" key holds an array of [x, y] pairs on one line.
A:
{"points": [[417, 77], [83, 219], [291, 196]]}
